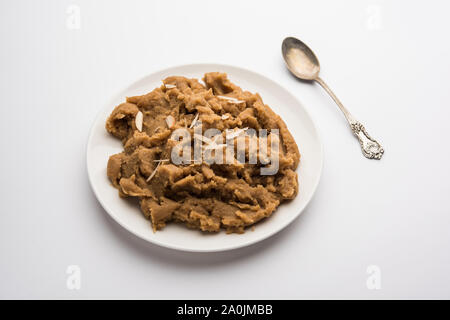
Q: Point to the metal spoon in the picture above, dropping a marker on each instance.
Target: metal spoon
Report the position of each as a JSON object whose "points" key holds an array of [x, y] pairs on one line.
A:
{"points": [[303, 63]]}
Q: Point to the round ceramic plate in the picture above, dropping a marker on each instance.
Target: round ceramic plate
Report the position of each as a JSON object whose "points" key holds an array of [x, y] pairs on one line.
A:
{"points": [[101, 145]]}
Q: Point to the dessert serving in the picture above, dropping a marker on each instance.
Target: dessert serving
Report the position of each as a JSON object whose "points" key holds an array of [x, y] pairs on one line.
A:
{"points": [[211, 156]]}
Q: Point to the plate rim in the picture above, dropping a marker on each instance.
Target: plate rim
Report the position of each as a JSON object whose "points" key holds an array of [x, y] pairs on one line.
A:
{"points": [[204, 250]]}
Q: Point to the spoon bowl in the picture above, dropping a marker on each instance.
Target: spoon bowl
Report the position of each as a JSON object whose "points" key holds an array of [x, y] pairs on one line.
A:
{"points": [[300, 59]]}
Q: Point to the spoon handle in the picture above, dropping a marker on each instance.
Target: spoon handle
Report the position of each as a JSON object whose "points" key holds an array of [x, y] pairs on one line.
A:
{"points": [[370, 148]]}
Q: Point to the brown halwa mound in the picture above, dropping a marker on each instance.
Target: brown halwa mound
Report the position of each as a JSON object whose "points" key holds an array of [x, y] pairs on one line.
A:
{"points": [[206, 197]]}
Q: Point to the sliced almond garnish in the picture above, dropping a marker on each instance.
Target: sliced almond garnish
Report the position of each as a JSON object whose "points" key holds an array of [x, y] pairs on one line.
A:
{"points": [[225, 117], [235, 133], [194, 122], [169, 86], [230, 99], [162, 160], [153, 173], [157, 129], [170, 121], [139, 120]]}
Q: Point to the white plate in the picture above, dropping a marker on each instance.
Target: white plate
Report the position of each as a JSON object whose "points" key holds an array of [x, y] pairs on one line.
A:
{"points": [[101, 145]]}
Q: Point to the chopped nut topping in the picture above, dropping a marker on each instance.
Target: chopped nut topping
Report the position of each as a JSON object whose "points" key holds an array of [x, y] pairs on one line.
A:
{"points": [[153, 173], [139, 121], [194, 122], [170, 121], [236, 133], [230, 99]]}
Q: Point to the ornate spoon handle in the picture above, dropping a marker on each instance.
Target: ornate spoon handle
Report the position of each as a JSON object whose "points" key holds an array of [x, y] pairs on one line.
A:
{"points": [[370, 148]]}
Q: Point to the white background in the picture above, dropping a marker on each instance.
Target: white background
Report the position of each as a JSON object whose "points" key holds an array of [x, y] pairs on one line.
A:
{"points": [[388, 61]]}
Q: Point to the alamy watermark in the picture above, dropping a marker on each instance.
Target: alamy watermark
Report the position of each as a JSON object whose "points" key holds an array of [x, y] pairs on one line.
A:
{"points": [[374, 19], [73, 21], [234, 147], [373, 281], [73, 281]]}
